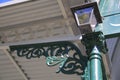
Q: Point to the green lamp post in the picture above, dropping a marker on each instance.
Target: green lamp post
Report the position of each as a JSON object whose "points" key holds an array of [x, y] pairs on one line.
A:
{"points": [[87, 17]]}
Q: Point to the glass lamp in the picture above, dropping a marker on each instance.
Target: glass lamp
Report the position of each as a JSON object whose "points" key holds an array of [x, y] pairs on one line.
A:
{"points": [[87, 16]]}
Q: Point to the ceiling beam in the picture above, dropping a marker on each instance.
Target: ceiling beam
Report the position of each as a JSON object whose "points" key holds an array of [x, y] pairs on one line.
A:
{"points": [[62, 8], [7, 52], [60, 3], [45, 40]]}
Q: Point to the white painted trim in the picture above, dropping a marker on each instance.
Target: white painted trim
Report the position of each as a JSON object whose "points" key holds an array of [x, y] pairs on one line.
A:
{"points": [[45, 40], [76, 17]]}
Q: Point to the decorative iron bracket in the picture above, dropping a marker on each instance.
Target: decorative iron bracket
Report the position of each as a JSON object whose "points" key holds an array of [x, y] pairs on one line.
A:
{"points": [[55, 53]]}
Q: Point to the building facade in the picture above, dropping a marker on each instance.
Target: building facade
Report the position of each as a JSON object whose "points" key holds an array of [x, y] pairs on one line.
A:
{"points": [[41, 21]]}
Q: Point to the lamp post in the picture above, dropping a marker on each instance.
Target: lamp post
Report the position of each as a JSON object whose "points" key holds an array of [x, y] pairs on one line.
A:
{"points": [[87, 17]]}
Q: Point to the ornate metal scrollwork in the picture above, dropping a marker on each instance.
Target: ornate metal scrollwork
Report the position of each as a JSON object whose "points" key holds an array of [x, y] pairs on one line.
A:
{"points": [[64, 53], [53, 60]]}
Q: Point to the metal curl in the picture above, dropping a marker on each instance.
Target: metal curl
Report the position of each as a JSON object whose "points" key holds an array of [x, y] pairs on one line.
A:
{"points": [[56, 53]]}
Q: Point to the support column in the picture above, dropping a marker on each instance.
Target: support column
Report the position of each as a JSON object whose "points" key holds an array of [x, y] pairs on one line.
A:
{"points": [[95, 65], [95, 45]]}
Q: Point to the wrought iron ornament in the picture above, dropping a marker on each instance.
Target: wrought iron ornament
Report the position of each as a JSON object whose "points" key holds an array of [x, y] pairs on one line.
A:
{"points": [[94, 39], [95, 45], [53, 60], [63, 53]]}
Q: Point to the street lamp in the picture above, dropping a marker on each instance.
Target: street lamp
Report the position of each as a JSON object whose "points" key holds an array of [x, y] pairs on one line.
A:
{"points": [[87, 16]]}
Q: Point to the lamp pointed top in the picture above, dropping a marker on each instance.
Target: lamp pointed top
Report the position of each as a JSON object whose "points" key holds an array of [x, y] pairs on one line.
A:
{"points": [[95, 50]]}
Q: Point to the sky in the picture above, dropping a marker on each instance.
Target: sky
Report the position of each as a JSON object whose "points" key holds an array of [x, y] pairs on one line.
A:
{"points": [[3, 1]]}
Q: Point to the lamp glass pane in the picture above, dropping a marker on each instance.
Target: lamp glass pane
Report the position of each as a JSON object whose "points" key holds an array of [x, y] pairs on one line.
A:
{"points": [[83, 15]]}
